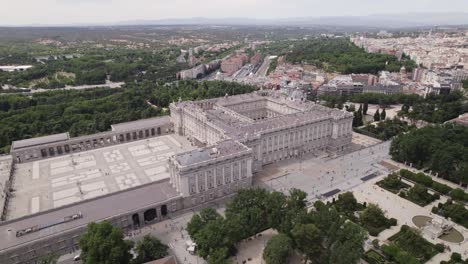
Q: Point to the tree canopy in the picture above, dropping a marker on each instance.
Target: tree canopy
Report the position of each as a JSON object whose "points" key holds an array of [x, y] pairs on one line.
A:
{"points": [[104, 244], [441, 148], [324, 235], [149, 248], [277, 249], [336, 55]]}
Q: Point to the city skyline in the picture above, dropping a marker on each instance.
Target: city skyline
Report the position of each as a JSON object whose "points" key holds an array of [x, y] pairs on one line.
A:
{"points": [[87, 12]]}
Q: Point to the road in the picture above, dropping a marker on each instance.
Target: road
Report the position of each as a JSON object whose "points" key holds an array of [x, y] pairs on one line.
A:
{"points": [[264, 68], [79, 87]]}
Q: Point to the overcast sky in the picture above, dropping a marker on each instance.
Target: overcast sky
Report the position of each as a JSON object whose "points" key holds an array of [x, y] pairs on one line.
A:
{"points": [[24, 12]]}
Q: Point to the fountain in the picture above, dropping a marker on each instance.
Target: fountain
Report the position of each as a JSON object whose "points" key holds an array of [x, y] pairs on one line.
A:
{"points": [[438, 228]]}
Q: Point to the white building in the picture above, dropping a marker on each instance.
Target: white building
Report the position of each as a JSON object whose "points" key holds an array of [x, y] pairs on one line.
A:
{"points": [[15, 68], [273, 126]]}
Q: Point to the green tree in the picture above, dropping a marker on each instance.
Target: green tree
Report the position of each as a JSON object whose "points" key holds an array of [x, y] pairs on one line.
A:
{"points": [[219, 256], [148, 249], [377, 116], [276, 209], [405, 108], [355, 119], [104, 244], [392, 182], [373, 216], [347, 202], [348, 244], [383, 115], [277, 249], [294, 210], [200, 220], [211, 231], [49, 259], [365, 108], [307, 239], [250, 207], [374, 220]]}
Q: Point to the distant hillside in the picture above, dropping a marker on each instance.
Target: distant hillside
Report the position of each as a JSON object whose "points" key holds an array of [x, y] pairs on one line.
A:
{"points": [[378, 20]]}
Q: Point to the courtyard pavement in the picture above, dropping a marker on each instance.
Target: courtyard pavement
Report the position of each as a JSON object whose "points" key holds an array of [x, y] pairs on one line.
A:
{"points": [[55, 182]]}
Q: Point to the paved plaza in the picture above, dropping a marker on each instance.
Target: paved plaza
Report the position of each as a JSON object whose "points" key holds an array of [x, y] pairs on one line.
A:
{"points": [[320, 177], [55, 182], [364, 141]]}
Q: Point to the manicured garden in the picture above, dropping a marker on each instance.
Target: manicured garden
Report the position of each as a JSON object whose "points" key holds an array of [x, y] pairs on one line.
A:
{"points": [[393, 183], [373, 257], [408, 246], [419, 195]]}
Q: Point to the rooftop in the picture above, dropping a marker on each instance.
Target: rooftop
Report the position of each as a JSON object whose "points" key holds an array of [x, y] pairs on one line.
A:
{"points": [[222, 149], [55, 182], [26, 143], [91, 211], [139, 124], [238, 127]]}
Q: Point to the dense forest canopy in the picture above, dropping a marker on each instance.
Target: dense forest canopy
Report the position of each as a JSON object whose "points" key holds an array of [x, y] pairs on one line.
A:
{"points": [[336, 55], [440, 148], [433, 108], [91, 111], [94, 67]]}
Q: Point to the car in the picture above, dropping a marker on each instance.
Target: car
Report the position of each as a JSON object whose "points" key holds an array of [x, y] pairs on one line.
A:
{"points": [[77, 257]]}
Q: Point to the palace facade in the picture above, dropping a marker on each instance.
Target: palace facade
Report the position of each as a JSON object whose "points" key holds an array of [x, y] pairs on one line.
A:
{"points": [[236, 136]]}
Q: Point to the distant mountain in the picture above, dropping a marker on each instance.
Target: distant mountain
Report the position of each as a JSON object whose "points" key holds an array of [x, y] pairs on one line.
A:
{"points": [[381, 21], [378, 20]]}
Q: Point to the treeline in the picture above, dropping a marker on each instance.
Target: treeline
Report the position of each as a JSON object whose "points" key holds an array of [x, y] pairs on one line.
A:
{"points": [[440, 148], [433, 108], [90, 111], [96, 65], [386, 129], [383, 100], [341, 55], [437, 108]]}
